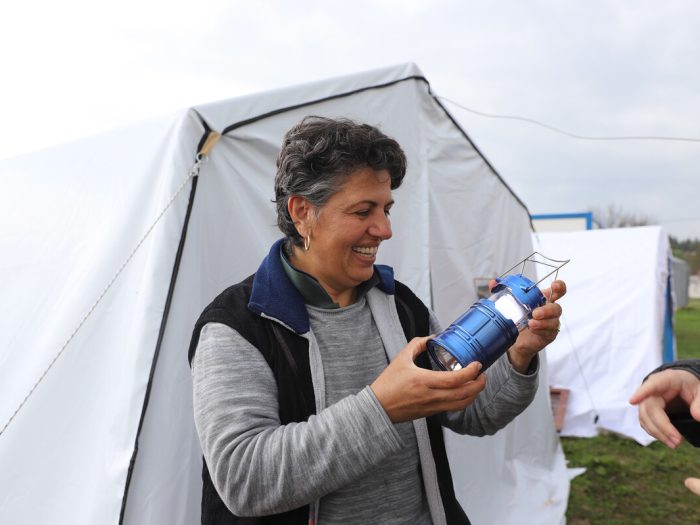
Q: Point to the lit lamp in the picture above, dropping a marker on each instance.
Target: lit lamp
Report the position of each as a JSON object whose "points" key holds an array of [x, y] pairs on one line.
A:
{"points": [[491, 325]]}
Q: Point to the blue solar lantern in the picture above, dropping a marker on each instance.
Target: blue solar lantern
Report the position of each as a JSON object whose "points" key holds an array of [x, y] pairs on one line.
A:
{"points": [[491, 325]]}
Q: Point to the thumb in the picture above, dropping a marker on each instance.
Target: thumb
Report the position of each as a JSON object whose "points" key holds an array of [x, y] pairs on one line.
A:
{"points": [[417, 346], [654, 385], [641, 394], [492, 284], [556, 291], [695, 408]]}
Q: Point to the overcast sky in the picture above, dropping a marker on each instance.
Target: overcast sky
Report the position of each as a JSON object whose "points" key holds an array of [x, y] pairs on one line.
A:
{"points": [[601, 68]]}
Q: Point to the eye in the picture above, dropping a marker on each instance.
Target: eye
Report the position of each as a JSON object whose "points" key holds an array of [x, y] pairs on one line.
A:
{"points": [[387, 211], [362, 213]]}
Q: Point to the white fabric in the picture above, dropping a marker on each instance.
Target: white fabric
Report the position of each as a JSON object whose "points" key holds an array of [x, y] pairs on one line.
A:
{"points": [[612, 327], [70, 216], [527, 460]]}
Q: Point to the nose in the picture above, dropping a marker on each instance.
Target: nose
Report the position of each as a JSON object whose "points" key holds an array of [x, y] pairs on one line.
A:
{"points": [[381, 227]]}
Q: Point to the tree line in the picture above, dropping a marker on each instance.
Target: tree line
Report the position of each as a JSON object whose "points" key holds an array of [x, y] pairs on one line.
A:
{"points": [[614, 216]]}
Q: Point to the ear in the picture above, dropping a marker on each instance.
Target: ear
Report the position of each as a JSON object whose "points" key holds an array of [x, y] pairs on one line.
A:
{"points": [[301, 212]]}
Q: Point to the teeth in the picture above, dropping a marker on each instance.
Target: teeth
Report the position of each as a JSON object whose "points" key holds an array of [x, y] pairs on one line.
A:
{"points": [[370, 251]]}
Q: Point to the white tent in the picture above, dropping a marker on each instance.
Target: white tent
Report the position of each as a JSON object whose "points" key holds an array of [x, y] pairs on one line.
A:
{"points": [[110, 249], [680, 270], [616, 317]]}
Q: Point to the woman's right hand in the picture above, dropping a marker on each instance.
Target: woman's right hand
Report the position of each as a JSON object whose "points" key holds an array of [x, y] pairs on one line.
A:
{"points": [[408, 392]]}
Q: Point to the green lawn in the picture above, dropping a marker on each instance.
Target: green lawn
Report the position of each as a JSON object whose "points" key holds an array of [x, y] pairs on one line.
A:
{"points": [[688, 330], [627, 484]]}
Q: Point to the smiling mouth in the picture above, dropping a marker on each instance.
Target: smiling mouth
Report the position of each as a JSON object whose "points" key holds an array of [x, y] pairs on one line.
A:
{"points": [[369, 251]]}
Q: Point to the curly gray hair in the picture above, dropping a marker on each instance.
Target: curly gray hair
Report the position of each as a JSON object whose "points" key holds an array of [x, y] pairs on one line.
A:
{"points": [[319, 153]]}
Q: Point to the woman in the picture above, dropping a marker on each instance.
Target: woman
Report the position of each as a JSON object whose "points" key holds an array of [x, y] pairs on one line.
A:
{"points": [[299, 416]]}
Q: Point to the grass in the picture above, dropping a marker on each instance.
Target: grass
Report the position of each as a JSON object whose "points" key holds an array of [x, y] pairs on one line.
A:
{"points": [[627, 484], [688, 330]]}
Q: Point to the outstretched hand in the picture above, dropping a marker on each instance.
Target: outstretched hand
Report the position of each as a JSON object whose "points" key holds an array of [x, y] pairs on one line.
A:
{"points": [[661, 391], [408, 392]]}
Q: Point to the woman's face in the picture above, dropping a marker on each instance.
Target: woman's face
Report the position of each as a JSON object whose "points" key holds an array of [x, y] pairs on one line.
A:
{"points": [[345, 236]]}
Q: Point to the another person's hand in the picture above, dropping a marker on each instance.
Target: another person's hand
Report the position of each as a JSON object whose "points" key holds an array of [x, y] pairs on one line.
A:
{"points": [[542, 329], [693, 485], [660, 392], [408, 392]]}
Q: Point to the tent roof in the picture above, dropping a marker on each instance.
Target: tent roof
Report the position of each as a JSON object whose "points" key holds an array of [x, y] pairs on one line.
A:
{"points": [[227, 115], [222, 115]]}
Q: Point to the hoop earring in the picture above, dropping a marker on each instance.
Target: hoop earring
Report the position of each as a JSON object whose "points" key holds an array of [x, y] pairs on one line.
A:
{"points": [[307, 243]]}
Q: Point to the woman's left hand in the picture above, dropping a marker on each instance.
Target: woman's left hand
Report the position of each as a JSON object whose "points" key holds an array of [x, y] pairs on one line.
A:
{"points": [[542, 329]]}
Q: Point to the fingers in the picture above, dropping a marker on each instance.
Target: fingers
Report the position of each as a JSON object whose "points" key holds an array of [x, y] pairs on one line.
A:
{"points": [[668, 384], [407, 391], [548, 327], [458, 397], [555, 292], [458, 377], [654, 420], [695, 406], [693, 485], [546, 318], [674, 387], [440, 379], [462, 390], [655, 385], [548, 311], [641, 393], [461, 397]]}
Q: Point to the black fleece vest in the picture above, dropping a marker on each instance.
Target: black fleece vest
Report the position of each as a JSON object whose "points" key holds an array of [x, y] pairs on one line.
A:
{"points": [[287, 354]]}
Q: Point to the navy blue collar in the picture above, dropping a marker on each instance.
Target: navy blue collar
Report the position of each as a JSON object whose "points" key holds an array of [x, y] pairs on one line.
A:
{"points": [[275, 296]]}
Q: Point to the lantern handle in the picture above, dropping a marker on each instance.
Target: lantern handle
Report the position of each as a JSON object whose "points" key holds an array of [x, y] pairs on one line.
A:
{"points": [[548, 262]]}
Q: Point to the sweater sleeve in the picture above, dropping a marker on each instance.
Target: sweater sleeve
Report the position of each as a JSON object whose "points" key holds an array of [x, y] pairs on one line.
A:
{"points": [[506, 395], [260, 466], [690, 365]]}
